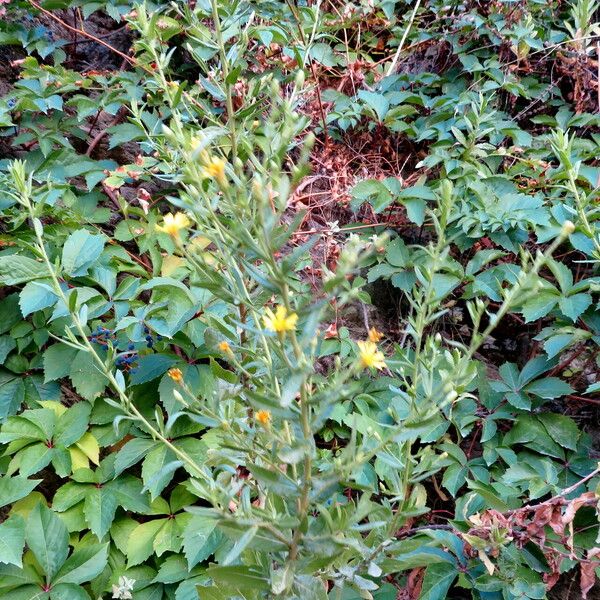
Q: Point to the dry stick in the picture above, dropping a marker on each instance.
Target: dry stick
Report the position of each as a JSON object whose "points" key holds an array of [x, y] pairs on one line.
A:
{"points": [[129, 59], [558, 496], [117, 119], [392, 67]]}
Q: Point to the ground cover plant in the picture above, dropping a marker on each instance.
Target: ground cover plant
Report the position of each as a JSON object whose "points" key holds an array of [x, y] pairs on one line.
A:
{"points": [[299, 300]]}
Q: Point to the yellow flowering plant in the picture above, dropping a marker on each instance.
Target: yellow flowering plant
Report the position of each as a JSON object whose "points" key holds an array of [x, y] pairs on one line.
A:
{"points": [[247, 431]]}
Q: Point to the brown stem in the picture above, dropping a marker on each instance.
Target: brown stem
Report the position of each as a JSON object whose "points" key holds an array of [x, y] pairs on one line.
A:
{"points": [[83, 32]]}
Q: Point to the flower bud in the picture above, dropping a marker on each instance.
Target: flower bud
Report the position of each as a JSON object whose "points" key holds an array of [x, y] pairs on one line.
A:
{"points": [[300, 78], [568, 228]]}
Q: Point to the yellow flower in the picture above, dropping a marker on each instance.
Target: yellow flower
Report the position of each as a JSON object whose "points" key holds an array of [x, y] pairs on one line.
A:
{"points": [[225, 348], [374, 335], [215, 169], [280, 321], [263, 417], [172, 224], [175, 374], [370, 356]]}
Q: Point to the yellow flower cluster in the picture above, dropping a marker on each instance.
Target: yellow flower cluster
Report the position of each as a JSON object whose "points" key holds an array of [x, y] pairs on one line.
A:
{"points": [[225, 348], [370, 356], [173, 224], [280, 321], [175, 374], [263, 417], [214, 168]]}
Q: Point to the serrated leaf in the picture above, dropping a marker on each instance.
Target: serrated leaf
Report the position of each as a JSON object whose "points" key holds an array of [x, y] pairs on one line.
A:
{"points": [[48, 539], [36, 295], [200, 539], [549, 388], [7, 344], [574, 306], [140, 544], [81, 250], [561, 429], [83, 565], [539, 306], [12, 541], [158, 469], [88, 445], [12, 394], [99, 508], [132, 452], [15, 269], [58, 359], [150, 367], [15, 488], [89, 382], [124, 132]]}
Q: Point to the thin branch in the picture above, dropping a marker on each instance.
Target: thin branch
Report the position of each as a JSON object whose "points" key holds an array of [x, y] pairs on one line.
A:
{"points": [[392, 67], [132, 61]]}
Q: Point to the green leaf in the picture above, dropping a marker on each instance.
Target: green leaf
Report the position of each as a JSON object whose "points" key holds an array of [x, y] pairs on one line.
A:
{"points": [[140, 545], [36, 295], [238, 577], [168, 538], [48, 539], [15, 269], [323, 53], [158, 469], [454, 477], [99, 509], [240, 545], [549, 388], [200, 539], [415, 210], [29, 592], [12, 541], [68, 591], [377, 102], [58, 359], [519, 400], [561, 429], [371, 190], [72, 424], [574, 306], [34, 458], [172, 570], [130, 494], [132, 452], [89, 382], [124, 132], [81, 251], [83, 565], [437, 581], [12, 394], [15, 488], [539, 306], [150, 367]]}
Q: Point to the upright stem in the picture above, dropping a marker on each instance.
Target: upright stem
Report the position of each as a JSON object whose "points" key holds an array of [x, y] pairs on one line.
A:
{"points": [[225, 66]]}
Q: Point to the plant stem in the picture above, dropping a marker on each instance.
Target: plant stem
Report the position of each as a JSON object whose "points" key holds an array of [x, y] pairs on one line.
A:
{"points": [[228, 87]]}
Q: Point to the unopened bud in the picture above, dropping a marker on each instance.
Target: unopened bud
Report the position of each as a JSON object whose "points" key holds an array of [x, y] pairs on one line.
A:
{"points": [[568, 228], [452, 396], [179, 397], [300, 79]]}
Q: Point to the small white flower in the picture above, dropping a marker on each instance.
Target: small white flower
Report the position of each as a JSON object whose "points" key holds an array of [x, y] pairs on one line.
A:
{"points": [[123, 589]]}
